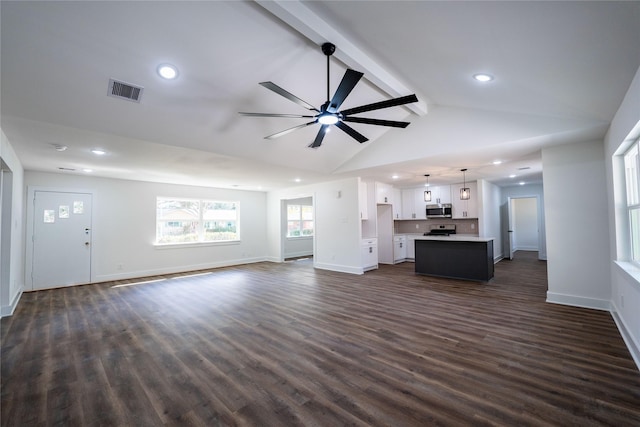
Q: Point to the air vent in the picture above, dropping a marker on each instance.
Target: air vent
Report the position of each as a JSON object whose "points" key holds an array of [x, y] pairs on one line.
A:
{"points": [[124, 91]]}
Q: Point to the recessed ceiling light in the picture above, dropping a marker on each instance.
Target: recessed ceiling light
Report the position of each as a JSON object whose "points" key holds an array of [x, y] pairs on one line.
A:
{"points": [[512, 176], [297, 180], [167, 71], [87, 170], [521, 183], [497, 162], [98, 151], [60, 147], [395, 177], [481, 77]]}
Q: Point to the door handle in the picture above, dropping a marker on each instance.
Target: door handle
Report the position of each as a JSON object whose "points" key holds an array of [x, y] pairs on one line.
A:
{"points": [[86, 243]]}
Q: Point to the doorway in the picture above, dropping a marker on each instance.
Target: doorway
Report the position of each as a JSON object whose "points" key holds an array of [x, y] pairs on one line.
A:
{"points": [[298, 228], [59, 250], [523, 231]]}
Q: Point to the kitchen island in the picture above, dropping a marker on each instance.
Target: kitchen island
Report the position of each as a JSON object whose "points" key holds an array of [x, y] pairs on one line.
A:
{"points": [[455, 256]]}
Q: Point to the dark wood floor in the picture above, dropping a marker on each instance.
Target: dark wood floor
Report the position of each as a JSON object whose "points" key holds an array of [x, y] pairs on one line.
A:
{"points": [[283, 344]]}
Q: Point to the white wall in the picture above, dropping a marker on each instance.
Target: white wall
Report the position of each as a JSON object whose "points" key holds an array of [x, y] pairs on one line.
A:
{"points": [[525, 224], [577, 236], [529, 190], [625, 279], [489, 215], [11, 288], [124, 215], [337, 224]]}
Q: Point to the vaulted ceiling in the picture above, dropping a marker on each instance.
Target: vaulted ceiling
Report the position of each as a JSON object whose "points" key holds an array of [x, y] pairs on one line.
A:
{"points": [[560, 71]]}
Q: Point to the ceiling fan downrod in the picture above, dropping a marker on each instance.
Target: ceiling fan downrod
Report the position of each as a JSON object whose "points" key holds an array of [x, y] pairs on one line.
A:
{"points": [[328, 49]]}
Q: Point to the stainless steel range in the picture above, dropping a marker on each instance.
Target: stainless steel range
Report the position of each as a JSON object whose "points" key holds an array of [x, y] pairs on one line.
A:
{"points": [[441, 230]]}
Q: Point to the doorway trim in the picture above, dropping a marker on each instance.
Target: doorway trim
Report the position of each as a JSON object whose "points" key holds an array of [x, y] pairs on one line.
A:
{"points": [[542, 253], [283, 223]]}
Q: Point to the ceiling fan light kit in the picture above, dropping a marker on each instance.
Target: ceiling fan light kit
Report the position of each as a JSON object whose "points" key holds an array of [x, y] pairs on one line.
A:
{"points": [[329, 113]]}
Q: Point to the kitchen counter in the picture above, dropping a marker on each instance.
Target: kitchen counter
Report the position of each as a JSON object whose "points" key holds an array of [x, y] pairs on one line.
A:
{"points": [[456, 256], [457, 237]]}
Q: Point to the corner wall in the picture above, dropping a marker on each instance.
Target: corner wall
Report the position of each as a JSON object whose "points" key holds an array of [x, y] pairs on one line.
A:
{"points": [[12, 284], [337, 237], [625, 278], [577, 236], [489, 219]]}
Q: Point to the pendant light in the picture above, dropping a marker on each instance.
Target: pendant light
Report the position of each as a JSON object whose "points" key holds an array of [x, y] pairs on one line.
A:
{"points": [[427, 194], [465, 193]]}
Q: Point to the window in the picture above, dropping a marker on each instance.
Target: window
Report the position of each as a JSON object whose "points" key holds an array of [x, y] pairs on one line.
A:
{"points": [[194, 221], [632, 181], [299, 220]]}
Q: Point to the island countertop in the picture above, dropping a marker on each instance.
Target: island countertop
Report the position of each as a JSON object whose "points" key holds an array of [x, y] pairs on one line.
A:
{"points": [[457, 238]]}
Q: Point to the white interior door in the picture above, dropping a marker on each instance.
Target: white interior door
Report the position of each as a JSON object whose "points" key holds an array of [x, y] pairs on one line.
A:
{"points": [[61, 239]]}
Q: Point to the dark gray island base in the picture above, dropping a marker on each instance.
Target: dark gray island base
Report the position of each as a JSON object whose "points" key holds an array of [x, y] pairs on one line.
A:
{"points": [[457, 259]]}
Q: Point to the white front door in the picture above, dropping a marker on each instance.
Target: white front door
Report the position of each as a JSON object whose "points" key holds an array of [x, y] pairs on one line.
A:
{"points": [[61, 239]]}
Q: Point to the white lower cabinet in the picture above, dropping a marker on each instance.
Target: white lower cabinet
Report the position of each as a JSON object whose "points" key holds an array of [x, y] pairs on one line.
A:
{"points": [[399, 248], [369, 254]]}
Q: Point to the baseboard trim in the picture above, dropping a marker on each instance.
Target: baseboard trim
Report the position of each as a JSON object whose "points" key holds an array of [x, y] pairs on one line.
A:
{"points": [[632, 345], [338, 268], [576, 301], [604, 305], [173, 270], [298, 254], [8, 310]]}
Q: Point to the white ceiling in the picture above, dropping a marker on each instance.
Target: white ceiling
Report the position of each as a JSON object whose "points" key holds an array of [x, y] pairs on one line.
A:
{"points": [[561, 71]]}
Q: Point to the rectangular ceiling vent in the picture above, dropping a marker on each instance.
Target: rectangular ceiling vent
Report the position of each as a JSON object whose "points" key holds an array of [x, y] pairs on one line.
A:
{"points": [[124, 91]]}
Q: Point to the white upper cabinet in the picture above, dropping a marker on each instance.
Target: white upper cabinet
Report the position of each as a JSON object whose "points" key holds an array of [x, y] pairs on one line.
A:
{"points": [[413, 204], [396, 207], [465, 208], [363, 200], [440, 194], [384, 193], [420, 205]]}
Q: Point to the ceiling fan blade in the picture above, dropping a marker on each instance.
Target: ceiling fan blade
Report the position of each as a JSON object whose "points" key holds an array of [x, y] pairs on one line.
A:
{"points": [[382, 104], [286, 131], [295, 116], [349, 81], [352, 132], [319, 137], [277, 89], [378, 122]]}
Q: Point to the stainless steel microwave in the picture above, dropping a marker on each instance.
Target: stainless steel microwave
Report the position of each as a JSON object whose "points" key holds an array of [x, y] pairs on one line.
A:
{"points": [[439, 211]]}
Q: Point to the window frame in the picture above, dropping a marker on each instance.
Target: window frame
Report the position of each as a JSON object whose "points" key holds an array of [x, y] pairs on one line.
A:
{"points": [[632, 191], [200, 222], [301, 220]]}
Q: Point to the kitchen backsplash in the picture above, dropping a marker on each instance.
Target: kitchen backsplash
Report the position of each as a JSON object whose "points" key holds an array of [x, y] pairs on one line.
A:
{"points": [[463, 226]]}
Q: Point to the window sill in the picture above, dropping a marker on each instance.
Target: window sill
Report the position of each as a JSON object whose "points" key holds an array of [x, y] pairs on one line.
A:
{"points": [[632, 270], [194, 244], [299, 237]]}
